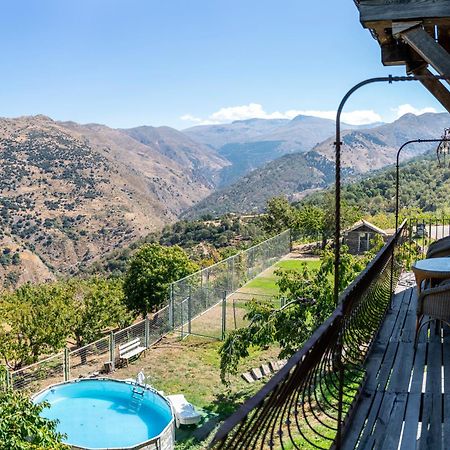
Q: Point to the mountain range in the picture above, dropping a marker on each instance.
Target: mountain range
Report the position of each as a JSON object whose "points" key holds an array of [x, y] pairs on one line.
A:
{"points": [[297, 174], [70, 193], [250, 144]]}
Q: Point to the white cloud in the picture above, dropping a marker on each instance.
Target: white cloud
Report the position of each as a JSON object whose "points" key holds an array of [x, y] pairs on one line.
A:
{"points": [[401, 110], [256, 111]]}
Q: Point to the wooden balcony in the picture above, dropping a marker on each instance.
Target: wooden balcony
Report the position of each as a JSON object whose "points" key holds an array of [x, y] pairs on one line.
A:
{"points": [[405, 403]]}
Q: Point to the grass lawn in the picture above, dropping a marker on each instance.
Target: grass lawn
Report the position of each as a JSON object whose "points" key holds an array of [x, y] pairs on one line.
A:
{"points": [[265, 284]]}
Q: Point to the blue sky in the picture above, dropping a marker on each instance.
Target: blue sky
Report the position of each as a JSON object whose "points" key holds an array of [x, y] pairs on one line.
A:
{"points": [[183, 62]]}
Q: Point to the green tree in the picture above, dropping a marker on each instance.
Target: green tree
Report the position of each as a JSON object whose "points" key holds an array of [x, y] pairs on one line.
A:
{"points": [[279, 215], [99, 304], [150, 271], [35, 321], [318, 214], [311, 222], [23, 428]]}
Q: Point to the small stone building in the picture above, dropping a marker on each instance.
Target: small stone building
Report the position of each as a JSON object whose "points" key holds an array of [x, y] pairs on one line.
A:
{"points": [[358, 238]]}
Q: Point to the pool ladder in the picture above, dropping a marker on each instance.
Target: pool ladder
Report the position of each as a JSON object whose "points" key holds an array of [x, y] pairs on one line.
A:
{"points": [[137, 397]]}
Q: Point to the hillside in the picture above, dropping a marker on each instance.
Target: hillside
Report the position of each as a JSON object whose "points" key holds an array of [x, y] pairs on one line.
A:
{"points": [[69, 193], [298, 174]]}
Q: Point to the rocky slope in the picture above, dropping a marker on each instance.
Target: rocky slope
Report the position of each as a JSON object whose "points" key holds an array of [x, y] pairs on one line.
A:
{"points": [[70, 192]]}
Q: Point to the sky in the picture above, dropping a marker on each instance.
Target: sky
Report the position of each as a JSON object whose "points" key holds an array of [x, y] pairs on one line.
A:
{"points": [[187, 62]]}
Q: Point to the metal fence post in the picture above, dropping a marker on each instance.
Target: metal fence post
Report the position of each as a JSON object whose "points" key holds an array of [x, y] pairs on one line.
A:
{"points": [[171, 308], [146, 332], [190, 311], [112, 349], [66, 364], [182, 318], [9, 379], [224, 314]]}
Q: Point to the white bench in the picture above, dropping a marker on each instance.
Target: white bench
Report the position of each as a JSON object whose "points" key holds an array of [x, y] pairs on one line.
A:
{"points": [[130, 349]]}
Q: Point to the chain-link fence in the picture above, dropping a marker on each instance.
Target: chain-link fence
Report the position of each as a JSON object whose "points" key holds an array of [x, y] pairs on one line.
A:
{"points": [[202, 304], [205, 290]]}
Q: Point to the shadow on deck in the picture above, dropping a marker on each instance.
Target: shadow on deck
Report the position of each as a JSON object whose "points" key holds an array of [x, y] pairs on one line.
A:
{"points": [[406, 401]]}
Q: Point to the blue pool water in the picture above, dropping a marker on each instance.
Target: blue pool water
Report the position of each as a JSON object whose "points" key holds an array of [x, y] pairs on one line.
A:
{"points": [[105, 414]]}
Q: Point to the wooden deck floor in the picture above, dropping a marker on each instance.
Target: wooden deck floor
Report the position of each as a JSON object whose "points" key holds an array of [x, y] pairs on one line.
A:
{"points": [[406, 401]]}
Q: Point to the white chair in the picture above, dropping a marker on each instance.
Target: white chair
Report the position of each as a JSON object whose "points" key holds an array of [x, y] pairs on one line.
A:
{"points": [[184, 412]]}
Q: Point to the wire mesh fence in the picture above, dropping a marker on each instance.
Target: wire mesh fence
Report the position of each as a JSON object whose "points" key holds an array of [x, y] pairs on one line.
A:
{"points": [[89, 359], [41, 374], [197, 294], [205, 303]]}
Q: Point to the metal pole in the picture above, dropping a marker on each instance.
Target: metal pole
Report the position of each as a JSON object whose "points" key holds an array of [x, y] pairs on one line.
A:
{"points": [[8, 379], [112, 348], [146, 332], [171, 308], [190, 311], [224, 314], [338, 144], [66, 364], [337, 234]]}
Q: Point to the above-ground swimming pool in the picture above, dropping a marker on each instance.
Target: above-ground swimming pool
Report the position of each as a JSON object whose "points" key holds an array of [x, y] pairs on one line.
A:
{"points": [[109, 414]]}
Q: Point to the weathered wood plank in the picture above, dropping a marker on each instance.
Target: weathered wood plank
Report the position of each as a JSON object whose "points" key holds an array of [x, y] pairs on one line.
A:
{"points": [[430, 437], [371, 420], [402, 368], [384, 417], [412, 414], [376, 10], [446, 362], [391, 435]]}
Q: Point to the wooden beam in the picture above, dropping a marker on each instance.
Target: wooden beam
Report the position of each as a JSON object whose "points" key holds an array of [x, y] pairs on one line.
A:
{"points": [[422, 43], [444, 37], [376, 10], [439, 91], [399, 54]]}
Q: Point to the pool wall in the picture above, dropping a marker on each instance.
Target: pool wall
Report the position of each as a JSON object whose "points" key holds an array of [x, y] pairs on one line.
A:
{"points": [[164, 441]]}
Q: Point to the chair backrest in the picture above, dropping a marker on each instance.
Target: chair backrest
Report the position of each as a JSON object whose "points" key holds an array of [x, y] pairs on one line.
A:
{"points": [[439, 248]]}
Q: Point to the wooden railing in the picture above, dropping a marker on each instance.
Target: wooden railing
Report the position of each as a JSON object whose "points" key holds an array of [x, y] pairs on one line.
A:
{"points": [[308, 403]]}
